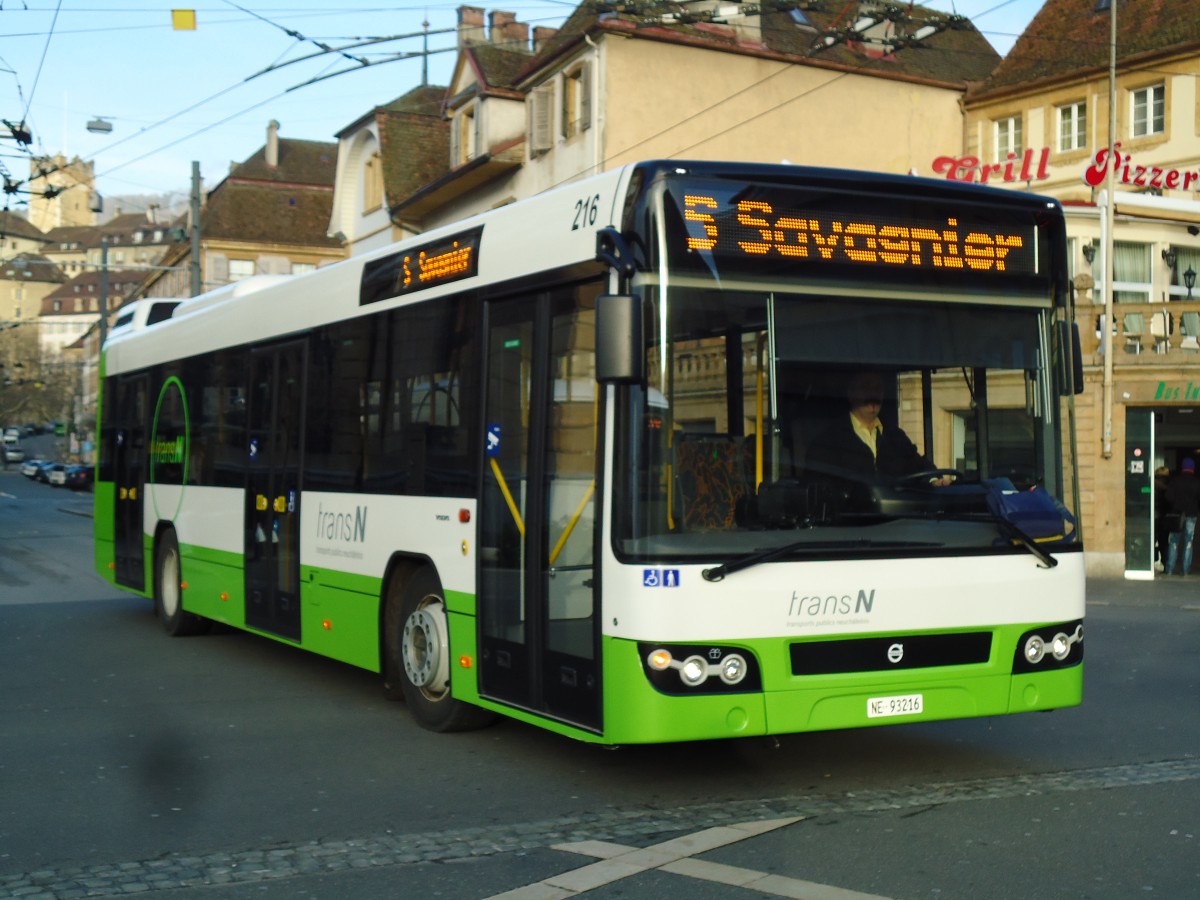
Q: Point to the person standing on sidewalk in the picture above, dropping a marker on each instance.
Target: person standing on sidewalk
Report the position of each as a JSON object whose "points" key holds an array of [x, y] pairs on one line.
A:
{"points": [[1183, 497]]}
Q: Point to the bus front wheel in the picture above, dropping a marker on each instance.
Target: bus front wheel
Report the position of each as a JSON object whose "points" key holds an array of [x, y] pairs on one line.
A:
{"points": [[418, 649], [168, 591]]}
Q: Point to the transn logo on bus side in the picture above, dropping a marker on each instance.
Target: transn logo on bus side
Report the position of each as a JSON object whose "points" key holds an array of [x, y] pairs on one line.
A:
{"points": [[342, 526]]}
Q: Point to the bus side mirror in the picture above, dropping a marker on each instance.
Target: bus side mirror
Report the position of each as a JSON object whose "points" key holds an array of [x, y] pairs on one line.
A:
{"points": [[1071, 378], [620, 355]]}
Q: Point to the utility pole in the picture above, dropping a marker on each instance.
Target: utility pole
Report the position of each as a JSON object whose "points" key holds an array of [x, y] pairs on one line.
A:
{"points": [[197, 284], [103, 289]]}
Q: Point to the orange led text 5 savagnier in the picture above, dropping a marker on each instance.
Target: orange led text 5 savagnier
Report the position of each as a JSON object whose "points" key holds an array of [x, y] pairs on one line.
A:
{"points": [[847, 240]]}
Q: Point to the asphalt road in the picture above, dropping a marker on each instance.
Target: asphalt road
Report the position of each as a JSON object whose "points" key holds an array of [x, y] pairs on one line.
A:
{"points": [[230, 766]]}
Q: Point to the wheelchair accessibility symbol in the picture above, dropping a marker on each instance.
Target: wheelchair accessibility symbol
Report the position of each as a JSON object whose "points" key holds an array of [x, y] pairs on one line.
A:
{"points": [[660, 578]]}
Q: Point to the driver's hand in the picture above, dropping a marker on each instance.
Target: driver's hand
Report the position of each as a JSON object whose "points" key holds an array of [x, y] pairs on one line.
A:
{"points": [[942, 480]]}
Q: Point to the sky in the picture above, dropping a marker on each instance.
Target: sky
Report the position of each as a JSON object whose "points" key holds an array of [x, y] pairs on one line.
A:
{"points": [[207, 95]]}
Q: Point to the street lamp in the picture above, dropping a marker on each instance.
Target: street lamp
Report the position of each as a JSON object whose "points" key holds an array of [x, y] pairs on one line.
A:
{"points": [[1189, 280]]}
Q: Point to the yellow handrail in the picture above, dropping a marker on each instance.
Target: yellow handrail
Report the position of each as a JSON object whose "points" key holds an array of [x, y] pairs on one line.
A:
{"points": [[508, 497]]}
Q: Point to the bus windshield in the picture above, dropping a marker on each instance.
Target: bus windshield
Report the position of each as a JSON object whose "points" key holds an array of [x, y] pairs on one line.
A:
{"points": [[743, 440]]}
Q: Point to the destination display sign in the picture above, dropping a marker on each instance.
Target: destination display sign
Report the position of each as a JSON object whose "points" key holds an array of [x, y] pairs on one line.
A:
{"points": [[774, 227], [420, 268]]}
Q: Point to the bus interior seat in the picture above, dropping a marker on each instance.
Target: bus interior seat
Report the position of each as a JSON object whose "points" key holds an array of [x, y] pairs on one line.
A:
{"points": [[711, 480]]}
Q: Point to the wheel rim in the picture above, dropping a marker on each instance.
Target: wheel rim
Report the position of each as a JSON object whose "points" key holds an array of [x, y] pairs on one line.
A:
{"points": [[424, 649], [169, 587]]}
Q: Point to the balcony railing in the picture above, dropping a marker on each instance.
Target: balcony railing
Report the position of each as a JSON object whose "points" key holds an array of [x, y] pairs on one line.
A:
{"points": [[1142, 333]]}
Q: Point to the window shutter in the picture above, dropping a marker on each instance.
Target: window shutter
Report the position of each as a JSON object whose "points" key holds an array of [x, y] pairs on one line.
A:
{"points": [[585, 97], [477, 137], [540, 116]]}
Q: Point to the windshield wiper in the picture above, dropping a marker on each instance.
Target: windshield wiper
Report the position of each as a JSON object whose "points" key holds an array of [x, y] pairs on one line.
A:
{"points": [[716, 573], [1013, 532]]}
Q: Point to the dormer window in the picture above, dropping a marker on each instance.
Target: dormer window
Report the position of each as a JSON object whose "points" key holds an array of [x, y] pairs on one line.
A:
{"points": [[372, 185], [465, 134]]}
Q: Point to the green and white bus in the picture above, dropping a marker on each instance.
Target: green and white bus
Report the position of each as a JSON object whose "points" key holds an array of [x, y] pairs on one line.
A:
{"points": [[555, 462]]}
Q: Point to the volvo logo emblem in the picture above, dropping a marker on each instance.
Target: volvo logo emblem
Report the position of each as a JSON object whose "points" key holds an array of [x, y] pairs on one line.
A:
{"points": [[895, 653]]}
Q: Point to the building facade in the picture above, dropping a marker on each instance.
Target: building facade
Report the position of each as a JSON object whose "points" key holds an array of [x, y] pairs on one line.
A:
{"points": [[1045, 121]]}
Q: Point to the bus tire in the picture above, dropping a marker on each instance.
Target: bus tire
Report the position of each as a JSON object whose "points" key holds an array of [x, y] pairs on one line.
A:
{"points": [[418, 655], [168, 591]]}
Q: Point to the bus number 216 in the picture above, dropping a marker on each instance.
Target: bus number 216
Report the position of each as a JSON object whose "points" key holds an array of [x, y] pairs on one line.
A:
{"points": [[585, 212]]}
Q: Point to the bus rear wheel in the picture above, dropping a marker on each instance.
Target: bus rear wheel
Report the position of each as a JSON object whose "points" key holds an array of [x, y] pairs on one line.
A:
{"points": [[418, 649], [168, 591]]}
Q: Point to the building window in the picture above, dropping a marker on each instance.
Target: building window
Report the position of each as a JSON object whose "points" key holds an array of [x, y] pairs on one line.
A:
{"points": [[1149, 110], [1131, 272], [576, 102], [466, 134], [240, 268], [1072, 127], [372, 183], [1008, 138], [301, 268]]}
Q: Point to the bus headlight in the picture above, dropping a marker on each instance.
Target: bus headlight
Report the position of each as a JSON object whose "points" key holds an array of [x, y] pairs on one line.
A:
{"points": [[694, 671], [1061, 646], [1050, 647], [733, 668], [1035, 648], [700, 668]]}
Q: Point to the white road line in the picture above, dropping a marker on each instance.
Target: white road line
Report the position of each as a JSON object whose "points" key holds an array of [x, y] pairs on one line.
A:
{"points": [[618, 861]]}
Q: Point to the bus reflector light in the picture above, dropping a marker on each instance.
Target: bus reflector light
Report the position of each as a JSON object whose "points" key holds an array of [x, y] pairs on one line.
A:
{"points": [[464, 516], [224, 595], [465, 662], [327, 625], [659, 660], [183, 585]]}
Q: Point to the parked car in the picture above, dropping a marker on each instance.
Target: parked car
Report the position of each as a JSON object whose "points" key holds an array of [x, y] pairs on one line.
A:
{"points": [[43, 471], [56, 474], [79, 478], [30, 466], [13, 453]]}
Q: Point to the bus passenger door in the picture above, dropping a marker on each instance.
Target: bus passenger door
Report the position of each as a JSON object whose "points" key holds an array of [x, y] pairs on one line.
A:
{"points": [[274, 437], [538, 626], [129, 477]]}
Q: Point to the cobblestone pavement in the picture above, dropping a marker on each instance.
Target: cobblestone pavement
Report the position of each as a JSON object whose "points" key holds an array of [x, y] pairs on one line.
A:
{"points": [[638, 827]]}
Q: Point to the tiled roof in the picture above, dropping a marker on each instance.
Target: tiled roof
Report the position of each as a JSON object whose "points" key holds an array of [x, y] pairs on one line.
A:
{"points": [[414, 142], [425, 100], [31, 267], [956, 55], [18, 226], [86, 286], [266, 213], [1069, 36], [500, 67], [300, 162]]}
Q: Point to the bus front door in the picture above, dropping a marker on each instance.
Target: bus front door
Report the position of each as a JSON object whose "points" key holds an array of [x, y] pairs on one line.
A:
{"points": [[272, 520], [129, 476], [537, 618]]}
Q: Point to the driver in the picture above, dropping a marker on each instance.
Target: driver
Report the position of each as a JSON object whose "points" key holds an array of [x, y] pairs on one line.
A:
{"points": [[860, 447]]}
